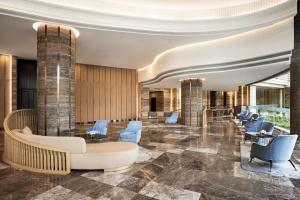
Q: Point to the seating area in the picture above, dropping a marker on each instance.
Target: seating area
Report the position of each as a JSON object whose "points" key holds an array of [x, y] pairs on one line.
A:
{"points": [[59, 155], [266, 146]]}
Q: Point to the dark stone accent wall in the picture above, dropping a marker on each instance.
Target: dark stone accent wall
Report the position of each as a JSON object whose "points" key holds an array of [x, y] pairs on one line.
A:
{"points": [[243, 96], [26, 84], [191, 102], [159, 95], [295, 83], [56, 79]]}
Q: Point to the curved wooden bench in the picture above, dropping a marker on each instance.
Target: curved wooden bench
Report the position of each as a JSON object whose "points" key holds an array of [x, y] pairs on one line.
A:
{"points": [[30, 156]]}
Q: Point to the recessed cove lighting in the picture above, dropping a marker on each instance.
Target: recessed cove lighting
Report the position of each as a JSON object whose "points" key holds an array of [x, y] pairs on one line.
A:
{"points": [[37, 24], [202, 79]]}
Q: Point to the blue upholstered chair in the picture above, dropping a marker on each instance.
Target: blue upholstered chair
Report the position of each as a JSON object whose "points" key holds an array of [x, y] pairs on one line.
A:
{"points": [[246, 116], [280, 149], [255, 125], [100, 128], [268, 127], [243, 113], [172, 119], [132, 133]]}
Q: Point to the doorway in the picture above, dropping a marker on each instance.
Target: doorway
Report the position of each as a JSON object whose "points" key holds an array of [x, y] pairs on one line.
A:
{"points": [[26, 81], [156, 101], [153, 104]]}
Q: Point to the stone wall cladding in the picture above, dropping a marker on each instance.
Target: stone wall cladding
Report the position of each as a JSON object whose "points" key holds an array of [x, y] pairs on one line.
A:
{"points": [[56, 79], [191, 102]]}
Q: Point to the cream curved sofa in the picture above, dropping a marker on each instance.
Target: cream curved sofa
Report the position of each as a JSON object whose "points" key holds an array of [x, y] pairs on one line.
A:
{"points": [[109, 156]]}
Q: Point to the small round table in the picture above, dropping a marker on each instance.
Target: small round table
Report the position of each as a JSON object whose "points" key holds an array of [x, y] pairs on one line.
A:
{"points": [[263, 139], [259, 138]]}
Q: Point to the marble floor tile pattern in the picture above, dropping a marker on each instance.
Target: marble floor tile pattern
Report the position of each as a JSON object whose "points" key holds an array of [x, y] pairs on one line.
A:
{"points": [[176, 162]]}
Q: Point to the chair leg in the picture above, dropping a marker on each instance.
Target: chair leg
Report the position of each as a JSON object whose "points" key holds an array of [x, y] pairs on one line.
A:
{"points": [[271, 165], [293, 164], [251, 158]]}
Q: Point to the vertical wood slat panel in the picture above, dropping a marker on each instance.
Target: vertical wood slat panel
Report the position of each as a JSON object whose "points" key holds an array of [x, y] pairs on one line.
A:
{"points": [[102, 93], [124, 93], [119, 94], [107, 94], [4, 87], [133, 94], [90, 80], [129, 95], [96, 99], [84, 93], [2, 90], [78, 92], [113, 95]]}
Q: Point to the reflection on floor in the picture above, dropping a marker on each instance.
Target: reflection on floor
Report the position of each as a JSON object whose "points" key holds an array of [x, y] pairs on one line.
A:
{"points": [[176, 162]]}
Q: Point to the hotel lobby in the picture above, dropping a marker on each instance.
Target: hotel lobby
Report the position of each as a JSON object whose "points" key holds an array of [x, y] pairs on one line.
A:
{"points": [[149, 99]]}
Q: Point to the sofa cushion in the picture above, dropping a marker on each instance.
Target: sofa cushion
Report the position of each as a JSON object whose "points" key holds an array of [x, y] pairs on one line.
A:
{"points": [[27, 131]]}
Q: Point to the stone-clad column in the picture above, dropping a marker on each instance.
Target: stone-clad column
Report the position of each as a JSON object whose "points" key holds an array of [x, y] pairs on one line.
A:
{"points": [[295, 83], [56, 79], [191, 102]]}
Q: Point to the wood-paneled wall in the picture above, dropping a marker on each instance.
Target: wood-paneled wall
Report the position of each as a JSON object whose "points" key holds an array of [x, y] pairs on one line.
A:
{"points": [[8, 85], [5, 98], [105, 93]]}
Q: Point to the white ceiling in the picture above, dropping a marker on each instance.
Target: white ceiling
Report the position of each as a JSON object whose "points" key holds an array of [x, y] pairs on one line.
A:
{"points": [[98, 47], [132, 38]]}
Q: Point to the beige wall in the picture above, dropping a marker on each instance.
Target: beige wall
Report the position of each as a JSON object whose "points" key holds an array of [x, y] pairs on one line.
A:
{"points": [[8, 86], [105, 93]]}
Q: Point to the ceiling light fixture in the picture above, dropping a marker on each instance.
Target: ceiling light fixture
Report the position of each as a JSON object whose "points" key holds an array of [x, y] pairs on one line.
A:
{"points": [[37, 24]]}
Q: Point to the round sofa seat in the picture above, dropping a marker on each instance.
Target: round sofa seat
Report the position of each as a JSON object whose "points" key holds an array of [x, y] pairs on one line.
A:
{"points": [[107, 156]]}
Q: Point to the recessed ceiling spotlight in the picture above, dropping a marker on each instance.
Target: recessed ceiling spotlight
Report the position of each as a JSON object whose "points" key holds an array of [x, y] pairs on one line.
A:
{"points": [[37, 24]]}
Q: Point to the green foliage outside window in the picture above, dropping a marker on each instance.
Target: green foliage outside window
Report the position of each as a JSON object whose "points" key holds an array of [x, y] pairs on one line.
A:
{"points": [[280, 121]]}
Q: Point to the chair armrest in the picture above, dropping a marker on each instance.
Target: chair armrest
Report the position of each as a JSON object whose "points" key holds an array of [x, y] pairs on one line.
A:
{"points": [[89, 129], [123, 130], [104, 131], [127, 133]]}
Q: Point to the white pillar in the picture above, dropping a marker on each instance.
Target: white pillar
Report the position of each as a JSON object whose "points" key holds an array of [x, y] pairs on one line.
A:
{"points": [[281, 98], [253, 98]]}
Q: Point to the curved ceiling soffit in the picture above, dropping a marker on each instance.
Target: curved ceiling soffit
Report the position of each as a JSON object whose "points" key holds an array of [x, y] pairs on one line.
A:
{"points": [[91, 19], [223, 52], [282, 57]]}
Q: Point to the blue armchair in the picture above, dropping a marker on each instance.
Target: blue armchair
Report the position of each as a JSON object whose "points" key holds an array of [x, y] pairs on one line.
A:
{"points": [[100, 127], [132, 133], [246, 116], [268, 127], [172, 119], [242, 114], [280, 149], [254, 126]]}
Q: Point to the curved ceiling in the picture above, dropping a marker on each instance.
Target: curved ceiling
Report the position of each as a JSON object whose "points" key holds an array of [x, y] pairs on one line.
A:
{"points": [[252, 47], [135, 33], [141, 17]]}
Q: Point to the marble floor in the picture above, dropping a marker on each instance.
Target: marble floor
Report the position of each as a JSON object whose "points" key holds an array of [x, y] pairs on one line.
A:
{"points": [[176, 162]]}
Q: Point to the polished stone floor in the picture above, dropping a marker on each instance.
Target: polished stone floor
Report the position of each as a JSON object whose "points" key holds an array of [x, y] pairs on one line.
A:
{"points": [[177, 162]]}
